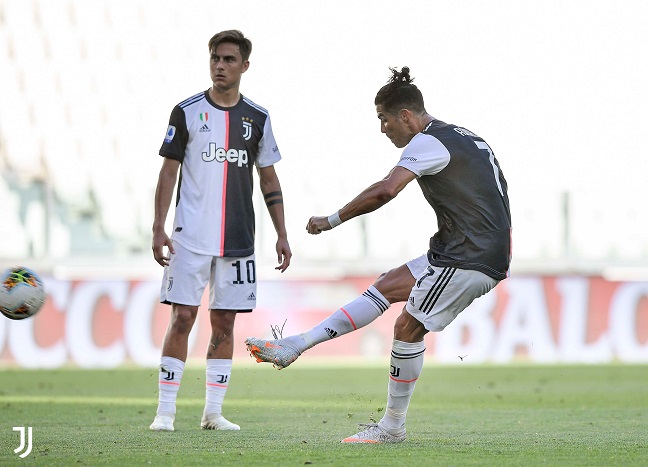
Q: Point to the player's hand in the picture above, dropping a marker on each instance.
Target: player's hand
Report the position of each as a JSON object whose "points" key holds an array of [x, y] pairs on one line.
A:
{"points": [[283, 254], [161, 240], [317, 225]]}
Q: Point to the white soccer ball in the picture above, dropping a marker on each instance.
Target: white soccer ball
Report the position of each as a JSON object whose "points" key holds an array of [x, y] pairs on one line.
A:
{"points": [[21, 293]]}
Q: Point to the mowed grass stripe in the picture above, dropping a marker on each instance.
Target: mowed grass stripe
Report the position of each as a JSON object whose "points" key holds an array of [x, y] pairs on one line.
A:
{"points": [[182, 402], [460, 415]]}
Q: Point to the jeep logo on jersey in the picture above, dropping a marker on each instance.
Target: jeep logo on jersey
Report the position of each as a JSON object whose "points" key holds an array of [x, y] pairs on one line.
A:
{"points": [[247, 130], [240, 156]]}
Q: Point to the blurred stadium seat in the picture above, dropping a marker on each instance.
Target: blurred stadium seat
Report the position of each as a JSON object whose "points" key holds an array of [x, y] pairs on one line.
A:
{"points": [[86, 93], [14, 242]]}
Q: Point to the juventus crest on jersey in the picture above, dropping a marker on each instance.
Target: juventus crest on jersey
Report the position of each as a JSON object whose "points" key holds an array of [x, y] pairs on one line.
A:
{"points": [[218, 148]]}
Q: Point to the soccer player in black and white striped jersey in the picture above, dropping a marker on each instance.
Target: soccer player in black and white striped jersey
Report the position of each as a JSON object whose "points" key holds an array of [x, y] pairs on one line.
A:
{"points": [[469, 255], [214, 139]]}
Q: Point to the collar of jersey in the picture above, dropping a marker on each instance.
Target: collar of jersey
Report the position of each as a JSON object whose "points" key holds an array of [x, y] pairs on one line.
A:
{"points": [[220, 107]]}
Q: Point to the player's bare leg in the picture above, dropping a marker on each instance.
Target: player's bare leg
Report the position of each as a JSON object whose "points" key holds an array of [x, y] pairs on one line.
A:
{"points": [[176, 339], [219, 370], [391, 287]]}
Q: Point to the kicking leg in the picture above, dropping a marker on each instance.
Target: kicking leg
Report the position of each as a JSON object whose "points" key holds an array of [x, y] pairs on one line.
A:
{"points": [[391, 287]]}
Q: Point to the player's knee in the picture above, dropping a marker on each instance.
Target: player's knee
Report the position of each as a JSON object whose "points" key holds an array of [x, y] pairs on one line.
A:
{"points": [[394, 285], [408, 329], [183, 319]]}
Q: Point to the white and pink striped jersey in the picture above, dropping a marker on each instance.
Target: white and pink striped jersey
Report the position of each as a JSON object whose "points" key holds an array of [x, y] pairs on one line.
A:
{"points": [[218, 148]]}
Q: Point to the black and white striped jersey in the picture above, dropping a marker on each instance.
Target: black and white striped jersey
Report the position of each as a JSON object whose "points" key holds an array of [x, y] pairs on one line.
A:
{"points": [[218, 148], [461, 179]]}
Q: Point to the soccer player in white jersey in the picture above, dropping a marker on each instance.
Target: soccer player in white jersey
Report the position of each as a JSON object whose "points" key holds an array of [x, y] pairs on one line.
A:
{"points": [[462, 181], [214, 139]]}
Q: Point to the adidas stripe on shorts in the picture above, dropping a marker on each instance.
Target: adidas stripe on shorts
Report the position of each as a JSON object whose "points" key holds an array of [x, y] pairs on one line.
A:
{"points": [[441, 293], [232, 281]]}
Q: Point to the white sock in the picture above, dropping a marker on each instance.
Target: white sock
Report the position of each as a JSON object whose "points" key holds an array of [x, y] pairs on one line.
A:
{"points": [[218, 376], [171, 370], [360, 312], [406, 367]]}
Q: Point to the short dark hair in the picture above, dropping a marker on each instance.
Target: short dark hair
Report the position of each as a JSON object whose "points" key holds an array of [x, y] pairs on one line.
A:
{"points": [[399, 93], [232, 36]]}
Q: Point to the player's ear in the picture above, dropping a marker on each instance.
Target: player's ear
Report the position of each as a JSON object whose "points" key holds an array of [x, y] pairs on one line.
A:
{"points": [[246, 65]]}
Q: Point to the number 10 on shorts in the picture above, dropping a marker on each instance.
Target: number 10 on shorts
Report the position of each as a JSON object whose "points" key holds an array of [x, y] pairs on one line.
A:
{"points": [[248, 269]]}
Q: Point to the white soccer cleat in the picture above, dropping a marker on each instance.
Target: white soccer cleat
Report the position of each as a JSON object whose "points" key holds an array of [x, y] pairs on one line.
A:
{"points": [[215, 421], [163, 423], [375, 434], [278, 351]]}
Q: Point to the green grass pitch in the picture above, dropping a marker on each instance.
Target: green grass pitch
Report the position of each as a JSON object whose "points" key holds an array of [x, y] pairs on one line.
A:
{"points": [[460, 415]]}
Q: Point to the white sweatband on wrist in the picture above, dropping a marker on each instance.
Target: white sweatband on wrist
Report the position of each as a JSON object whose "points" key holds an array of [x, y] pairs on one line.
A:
{"points": [[334, 219]]}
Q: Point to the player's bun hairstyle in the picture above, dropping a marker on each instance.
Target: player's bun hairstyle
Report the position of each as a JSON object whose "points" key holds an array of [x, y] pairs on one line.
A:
{"points": [[232, 36], [399, 93]]}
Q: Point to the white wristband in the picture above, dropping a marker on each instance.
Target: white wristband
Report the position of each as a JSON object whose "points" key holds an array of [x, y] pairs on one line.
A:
{"points": [[334, 219]]}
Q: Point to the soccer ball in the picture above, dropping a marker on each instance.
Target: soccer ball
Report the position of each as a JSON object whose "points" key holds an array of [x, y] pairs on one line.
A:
{"points": [[21, 293]]}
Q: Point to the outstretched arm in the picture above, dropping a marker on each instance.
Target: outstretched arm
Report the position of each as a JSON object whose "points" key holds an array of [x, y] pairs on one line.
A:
{"points": [[271, 189], [163, 195], [372, 198]]}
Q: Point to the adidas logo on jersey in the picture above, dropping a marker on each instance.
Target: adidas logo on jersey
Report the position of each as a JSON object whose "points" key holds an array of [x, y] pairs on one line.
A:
{"points": [[251, 296], [204, 128]]}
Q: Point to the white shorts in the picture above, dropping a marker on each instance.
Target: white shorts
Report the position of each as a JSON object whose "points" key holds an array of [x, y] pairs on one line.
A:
{"points": [[441, 293], [232, 281]]}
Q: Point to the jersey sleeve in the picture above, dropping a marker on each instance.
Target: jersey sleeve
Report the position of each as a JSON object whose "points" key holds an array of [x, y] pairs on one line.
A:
{"points": [[424, 155], [176, 137], [268, 151]]}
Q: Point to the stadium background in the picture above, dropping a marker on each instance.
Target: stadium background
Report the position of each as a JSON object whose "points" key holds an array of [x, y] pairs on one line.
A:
{"points": [[556, 88]]}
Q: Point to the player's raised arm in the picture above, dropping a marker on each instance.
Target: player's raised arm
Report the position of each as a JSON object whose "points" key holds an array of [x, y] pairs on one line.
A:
{"points": [[372, 198]]}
